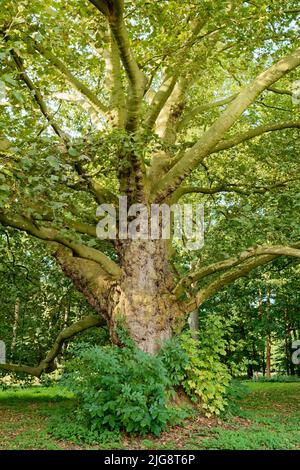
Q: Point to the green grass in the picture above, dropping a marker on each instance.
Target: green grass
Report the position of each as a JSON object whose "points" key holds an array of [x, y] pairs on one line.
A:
{"points": [[269, 419]]}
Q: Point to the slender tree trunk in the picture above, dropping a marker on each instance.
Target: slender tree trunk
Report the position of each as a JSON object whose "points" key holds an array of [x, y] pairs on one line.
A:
{"points": [[263, 363], [15, 325], [268, 357], [250, 371], [268, 339], [287, 355], [66, 319], [290, 369], [290, 341]]}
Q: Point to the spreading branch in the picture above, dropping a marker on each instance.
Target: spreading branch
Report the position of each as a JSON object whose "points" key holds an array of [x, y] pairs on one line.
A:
{"points": [[172, 76], [191, 114], [257, 131], [279, 91], [114, 80], [79, 227], [113, 11], [209, 140], [194, 112], [159, 99], [77, 84], [243, 264], [37, 95], [225, 188], [47, 365], [214, 268], [52, 235]]}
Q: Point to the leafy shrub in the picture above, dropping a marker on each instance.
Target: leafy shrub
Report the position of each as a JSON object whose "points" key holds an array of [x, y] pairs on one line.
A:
{"points": [[196, 365], [206, 377], [125, 389], [120, 389]]}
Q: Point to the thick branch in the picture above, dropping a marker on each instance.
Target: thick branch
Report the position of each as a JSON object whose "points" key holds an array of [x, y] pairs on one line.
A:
{"points": [[280, 91], [36, 95], [214, 268], [134, 74], [261, 255], [160, 99], [77, 84], [79, 227], [49, 234], [216, 132], [114, 80], [171, 78], [257, 131], [113, 10], [224, 188], [47, 365], [189, 115], [100, 193]]}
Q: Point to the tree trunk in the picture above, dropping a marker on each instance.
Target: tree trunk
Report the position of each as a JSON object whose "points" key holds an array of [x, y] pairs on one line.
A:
{"points": [[142, 298], [194, 323], [250, 371], [263, 364], [287, 355], [268, 339], [268, 357], [15, 325]]}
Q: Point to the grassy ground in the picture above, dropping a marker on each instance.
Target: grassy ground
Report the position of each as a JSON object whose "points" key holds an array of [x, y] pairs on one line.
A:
{"points": [[269, 419]]}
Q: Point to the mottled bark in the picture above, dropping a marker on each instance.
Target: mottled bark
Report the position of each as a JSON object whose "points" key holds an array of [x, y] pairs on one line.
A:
{"points": [[142, 298]]}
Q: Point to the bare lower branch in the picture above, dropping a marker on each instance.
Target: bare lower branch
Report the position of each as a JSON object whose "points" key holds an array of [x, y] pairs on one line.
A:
{"points": [[261, 256], [214, 268], [47, 365]]}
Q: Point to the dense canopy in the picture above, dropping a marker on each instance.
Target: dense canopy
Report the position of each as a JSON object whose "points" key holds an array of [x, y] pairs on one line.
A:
{"points": [[167, 101]]}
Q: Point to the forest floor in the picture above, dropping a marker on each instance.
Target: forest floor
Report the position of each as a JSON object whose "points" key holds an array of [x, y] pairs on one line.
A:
{"points": [[268, 418]]}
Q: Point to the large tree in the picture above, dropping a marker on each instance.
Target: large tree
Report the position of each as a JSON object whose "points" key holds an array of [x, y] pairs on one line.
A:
{"points": [[156, 101]]}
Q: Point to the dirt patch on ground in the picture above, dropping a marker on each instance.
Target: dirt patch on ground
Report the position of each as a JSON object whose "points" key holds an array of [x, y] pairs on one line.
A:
{"points": [[179, 435]]}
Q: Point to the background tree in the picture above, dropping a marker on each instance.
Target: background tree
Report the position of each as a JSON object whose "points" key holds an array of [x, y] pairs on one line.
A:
{"points": [[268, 309]]}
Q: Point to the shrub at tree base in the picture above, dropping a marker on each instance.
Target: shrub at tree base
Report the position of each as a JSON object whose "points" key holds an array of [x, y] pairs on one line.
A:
{"points": [[196, 365], [120, 389], [126, 389]]}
